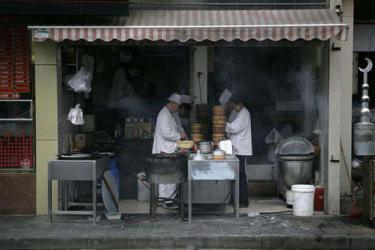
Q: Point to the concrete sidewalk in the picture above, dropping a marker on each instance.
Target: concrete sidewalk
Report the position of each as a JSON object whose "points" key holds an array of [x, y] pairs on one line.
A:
{"points": [[271, 231]]}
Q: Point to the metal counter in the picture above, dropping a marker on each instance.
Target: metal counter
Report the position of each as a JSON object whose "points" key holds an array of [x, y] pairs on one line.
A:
{"points": [[209, 170]]}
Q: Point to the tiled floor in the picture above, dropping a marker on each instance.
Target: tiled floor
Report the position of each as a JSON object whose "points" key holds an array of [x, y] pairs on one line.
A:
{"points": [[256, 205]]}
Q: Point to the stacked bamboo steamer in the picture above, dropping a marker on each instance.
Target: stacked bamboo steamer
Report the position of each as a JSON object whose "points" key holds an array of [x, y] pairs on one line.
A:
{"points": [[203, 119], [218, 124], [196, 132]]}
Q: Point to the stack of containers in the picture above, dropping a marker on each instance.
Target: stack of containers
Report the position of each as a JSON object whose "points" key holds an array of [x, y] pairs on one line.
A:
{"points": [[196, 132], [203, 119], [218, 124]]}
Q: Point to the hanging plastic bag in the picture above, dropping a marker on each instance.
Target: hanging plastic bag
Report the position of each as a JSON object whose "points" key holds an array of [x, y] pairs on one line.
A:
{"points": [[81, 81], [75, 115]]}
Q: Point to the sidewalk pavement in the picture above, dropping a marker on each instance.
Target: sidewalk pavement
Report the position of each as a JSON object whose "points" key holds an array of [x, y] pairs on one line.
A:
{"points": [[269, 231]]}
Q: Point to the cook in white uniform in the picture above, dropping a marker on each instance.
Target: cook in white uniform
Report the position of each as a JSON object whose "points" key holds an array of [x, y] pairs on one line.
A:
{"points": [[166, 137], [240, 135], [184, 121], [224, 101]]}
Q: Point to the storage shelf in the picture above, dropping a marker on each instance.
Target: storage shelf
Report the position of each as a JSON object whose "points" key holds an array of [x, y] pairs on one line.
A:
{"points": [[17, 170]]}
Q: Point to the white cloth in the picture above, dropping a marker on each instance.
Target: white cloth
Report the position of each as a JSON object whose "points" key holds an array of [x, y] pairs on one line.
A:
{"points": [[177, 118], [166, 133], [165, 140], [233, 115], [240, 133]]}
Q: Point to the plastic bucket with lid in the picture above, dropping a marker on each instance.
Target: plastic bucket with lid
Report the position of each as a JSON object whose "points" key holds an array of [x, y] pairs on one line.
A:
{"points": [[303, 200]]}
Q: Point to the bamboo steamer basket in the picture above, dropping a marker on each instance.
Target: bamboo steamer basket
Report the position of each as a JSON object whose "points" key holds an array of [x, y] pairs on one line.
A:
{"points": [[218, 130], [218, 121], [218, 137], [196, 128], [218, 157], [185, 144], [197, 137], [218, 111], [218, 154]]}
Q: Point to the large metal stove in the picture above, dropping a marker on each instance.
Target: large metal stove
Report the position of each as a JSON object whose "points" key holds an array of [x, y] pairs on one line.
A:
{"points": [[75, 168]]}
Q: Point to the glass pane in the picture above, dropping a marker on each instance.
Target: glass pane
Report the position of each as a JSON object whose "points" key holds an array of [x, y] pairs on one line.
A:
{"points": [[15, 110]]}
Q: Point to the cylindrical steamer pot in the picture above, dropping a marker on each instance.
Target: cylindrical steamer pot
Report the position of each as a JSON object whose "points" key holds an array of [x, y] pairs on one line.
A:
{"points": [[218, 154], [205, 147]]}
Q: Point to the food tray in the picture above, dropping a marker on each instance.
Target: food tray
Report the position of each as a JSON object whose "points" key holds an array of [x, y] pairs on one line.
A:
{"points": [[186, 144]]}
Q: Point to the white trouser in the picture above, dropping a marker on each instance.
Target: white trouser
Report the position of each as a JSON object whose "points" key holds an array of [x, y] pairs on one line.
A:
{"points": [[167, 191]]}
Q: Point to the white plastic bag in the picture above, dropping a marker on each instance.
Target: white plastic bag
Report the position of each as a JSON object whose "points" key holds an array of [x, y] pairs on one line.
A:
{"points": [[81, 81], [75, 115]]}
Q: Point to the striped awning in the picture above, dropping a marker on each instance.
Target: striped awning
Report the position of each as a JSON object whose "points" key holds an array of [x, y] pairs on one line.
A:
{"points": [[200, 25]]}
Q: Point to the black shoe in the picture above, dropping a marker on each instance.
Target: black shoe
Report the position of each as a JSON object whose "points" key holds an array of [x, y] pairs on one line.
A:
{"points": [[170, 205]]}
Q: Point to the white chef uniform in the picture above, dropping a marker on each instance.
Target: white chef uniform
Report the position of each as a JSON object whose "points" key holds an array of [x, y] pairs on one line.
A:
{"points": [[165, 140], [240, 133]]}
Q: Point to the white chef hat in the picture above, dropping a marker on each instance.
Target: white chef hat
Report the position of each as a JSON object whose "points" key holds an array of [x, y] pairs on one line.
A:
{"points": [[125, 57], [225, 97], [175, 98], [186, 99]]}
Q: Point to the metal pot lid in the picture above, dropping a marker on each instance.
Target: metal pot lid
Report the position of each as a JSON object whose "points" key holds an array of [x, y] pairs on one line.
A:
{"points": [[110, 154], [309, 157], [76, 156], [294, 146], [167, 156]]}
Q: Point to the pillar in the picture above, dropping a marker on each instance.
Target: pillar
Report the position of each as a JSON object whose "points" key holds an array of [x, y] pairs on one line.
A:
{"points": [[45, 118]]}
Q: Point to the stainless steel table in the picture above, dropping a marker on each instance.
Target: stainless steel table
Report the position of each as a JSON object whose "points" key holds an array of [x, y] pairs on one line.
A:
{"points": [[75, 170], [209, 169]]}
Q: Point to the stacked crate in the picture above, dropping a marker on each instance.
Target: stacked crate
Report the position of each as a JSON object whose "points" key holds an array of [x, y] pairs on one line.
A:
{"points": [[16, 152], [218, 124]]}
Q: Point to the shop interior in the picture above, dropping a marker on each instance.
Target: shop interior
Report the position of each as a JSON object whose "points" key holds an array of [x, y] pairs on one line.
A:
{"points": [[283, 86]]}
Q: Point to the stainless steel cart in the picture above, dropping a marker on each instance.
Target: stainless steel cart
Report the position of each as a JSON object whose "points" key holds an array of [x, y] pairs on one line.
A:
{"points": [[75, 170], [208, 169]]}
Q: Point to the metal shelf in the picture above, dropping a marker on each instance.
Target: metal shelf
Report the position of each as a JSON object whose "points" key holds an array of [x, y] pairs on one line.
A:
{"points": [[17, 170], [16, 119]]}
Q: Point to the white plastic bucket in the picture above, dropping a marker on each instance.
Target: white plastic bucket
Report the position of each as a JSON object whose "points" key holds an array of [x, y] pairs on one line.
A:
{"points": [[303, 200]]}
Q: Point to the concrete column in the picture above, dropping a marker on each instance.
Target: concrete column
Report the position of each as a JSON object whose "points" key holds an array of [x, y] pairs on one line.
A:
{"points": [[340, 110], [198, 78], [45, 118], [346, 96]]}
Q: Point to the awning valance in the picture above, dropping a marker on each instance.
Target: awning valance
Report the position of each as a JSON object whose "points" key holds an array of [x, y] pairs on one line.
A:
{"points": [[200, 25]]}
